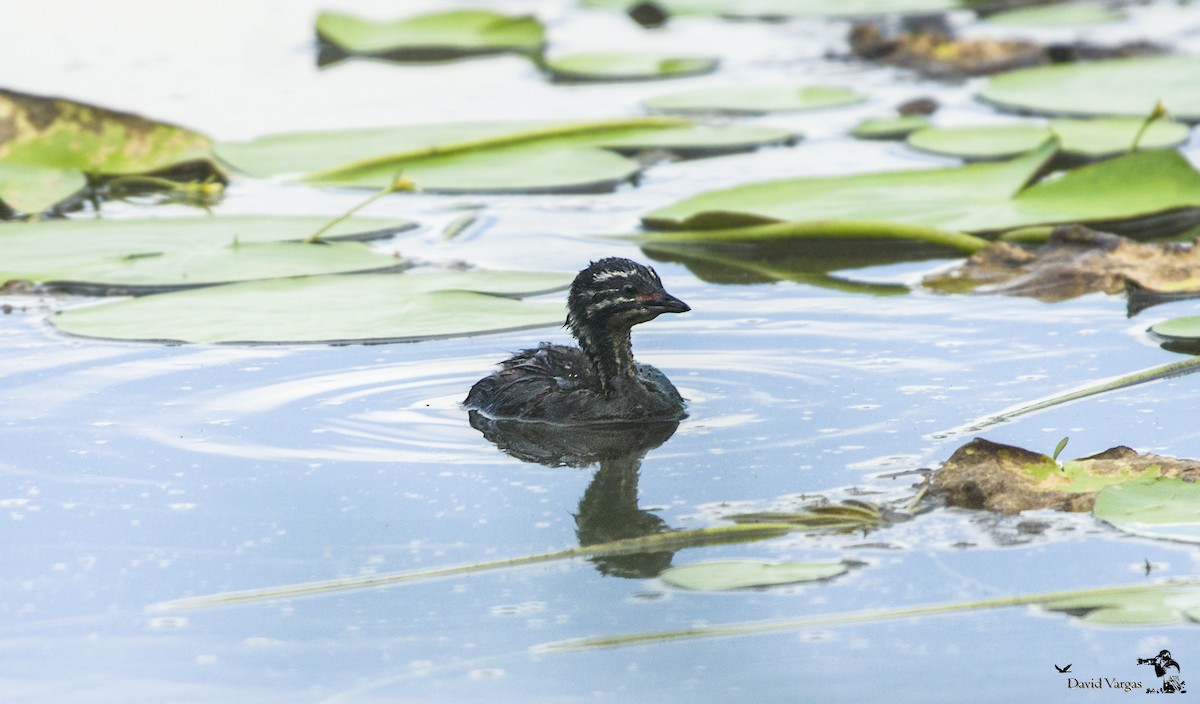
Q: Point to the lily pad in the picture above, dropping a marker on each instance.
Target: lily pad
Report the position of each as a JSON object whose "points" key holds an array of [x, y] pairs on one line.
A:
{"points": [[890, 127], [1167, 508], [64, 134], [433, 37], [1084, 139], [1063, 15], [1181, 331], [155, 254], [979, 143], [48, 144], [754, 100], [979, 197], [1156, 605], [489, 157], [1129, 87], [26, 188], [789, 8], [366, 308], [599, 67], [725, 575]]}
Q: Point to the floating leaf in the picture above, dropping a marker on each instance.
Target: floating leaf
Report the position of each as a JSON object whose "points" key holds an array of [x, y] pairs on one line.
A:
{"points": [[1181, 331], [133, 255], [1130, 87], [1009, 479], [1074, 262], [789, 8], [890, 127], [1167, 508], [724, 575], [328, 309], [754, 100], [47, 144], [25, 188], [973, 198], [488, 157], [579, 68], [64, 134], [1064, 15], [1153, 606], [977, 143], [1088, 139], [432, 37]]}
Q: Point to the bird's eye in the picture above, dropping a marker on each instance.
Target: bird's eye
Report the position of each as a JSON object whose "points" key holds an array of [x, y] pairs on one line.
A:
{"points": [[629, 290]]}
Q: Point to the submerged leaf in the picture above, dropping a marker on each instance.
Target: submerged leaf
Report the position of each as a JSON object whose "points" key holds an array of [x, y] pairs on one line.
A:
{"points": [[155, 254], [434, 36], [754, 100], [844, 516], [1129, 87], [725, 575], [599, 67], [328, 309]]}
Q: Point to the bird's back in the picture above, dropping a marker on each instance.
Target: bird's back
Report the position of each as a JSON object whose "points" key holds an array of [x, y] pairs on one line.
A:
{"points": [[555, 384]]}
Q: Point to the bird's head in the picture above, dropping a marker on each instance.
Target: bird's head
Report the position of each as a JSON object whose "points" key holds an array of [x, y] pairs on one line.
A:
{"points": [[614, 294]]}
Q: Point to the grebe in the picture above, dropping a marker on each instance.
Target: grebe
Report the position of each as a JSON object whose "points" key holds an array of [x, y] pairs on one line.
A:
{"points": [[599, 381]]}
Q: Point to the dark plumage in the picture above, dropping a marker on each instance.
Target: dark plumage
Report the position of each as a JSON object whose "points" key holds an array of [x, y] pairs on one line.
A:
{"points": [[599, 381]]}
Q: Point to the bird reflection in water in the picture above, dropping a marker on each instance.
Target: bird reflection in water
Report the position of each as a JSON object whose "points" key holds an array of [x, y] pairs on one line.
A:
{"points": [[609, 508]]}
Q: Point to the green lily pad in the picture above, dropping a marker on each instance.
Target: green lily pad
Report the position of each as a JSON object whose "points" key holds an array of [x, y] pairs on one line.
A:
{"points": [[1185, 329], [155, 254], [581, 68], [754, 100], [724, 575], [1064, 15], [363, 308], [979, 197], [1086, 139], [25, 188], [488, 157], [789, 8], [890, 127], [1167, 508], [1111, 136], [1154, 606], [1128, 87], [980, 143], [432, 37]]}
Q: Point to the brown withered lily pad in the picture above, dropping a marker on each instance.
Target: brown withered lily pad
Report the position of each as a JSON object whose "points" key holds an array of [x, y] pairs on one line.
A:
{"points": [[934, 52], [987, 475], [1073, 262]]}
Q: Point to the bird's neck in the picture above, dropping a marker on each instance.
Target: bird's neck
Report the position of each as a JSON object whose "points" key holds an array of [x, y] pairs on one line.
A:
{"points": [[610, 354]]}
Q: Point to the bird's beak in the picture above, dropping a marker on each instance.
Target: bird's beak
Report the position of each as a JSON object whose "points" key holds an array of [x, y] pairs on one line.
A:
{"points": [[666, 303]]}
